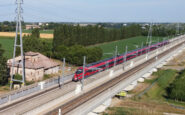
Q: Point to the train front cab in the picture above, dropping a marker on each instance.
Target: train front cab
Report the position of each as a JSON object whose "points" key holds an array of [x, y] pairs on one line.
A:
{"points": [[77, 75]]}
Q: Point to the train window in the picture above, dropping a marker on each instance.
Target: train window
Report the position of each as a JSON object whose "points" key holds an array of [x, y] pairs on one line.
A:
{"points": [[90, 70], [102, 66], [119, 60], [130, 56], [111, 63], [140, 52], [79, 71]]}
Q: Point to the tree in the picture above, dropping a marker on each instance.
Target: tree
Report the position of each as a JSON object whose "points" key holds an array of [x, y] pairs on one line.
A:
{"points": [[74, 54], [3, 69], [35, 33], [176, 89], [37, 45], [69, 35]]}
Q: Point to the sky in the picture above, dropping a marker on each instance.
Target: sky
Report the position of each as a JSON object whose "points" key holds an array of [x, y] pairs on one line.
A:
{"points": [[96, 10]]}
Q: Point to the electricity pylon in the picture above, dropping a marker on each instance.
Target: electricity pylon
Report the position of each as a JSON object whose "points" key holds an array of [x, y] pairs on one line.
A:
{"points": [[19, 19]]}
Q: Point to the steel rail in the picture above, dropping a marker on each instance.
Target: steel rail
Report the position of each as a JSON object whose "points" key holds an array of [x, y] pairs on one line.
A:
{"points": [[71, 105]]}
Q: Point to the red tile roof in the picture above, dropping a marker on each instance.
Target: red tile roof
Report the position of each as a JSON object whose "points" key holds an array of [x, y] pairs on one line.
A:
{"points": [[42, 62]]}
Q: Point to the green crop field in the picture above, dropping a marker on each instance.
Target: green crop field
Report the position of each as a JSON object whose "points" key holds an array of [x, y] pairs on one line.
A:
{"points": [[41, 31], [7, 45], [109, 48]]}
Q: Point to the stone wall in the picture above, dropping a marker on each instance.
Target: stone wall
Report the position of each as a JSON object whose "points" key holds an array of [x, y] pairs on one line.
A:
{"points": [[53, 70], [30, 74]]}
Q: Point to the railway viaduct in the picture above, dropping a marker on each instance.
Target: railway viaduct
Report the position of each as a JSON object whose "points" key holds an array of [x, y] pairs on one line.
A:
{"points": [[49, 99]]}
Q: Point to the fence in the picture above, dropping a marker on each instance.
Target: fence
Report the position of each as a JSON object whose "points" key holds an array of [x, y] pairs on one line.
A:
{"points": [[25, 91]]}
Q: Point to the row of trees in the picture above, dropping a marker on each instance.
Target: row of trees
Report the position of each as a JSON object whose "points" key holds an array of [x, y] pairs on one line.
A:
{"points": [[162, 30], [70, 41], [7, 26], [70, 35], [76, 35], [176, 90], [73, 54], [3, 69]]}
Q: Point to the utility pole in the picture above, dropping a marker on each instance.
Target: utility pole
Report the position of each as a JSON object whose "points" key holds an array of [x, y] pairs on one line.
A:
{"points": [[157, 53], [141, 47], [116, 52], [63, 69], [149, 33], [149, 39], [19, 19], [163, 44], [107, 65], [178, 29], [125, 57], [82, 82], [137, 49]]}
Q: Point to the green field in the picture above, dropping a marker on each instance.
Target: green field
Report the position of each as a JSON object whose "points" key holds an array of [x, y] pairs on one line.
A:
{"points": [[165, 77], [41, 31], [159, 90], [8, 43], [109, 48]]}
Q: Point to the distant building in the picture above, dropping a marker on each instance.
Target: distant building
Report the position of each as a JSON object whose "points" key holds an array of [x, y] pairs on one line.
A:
{"points": [[36, 65], [124, 24], [84, 25], [29, 27], [40, 23]]}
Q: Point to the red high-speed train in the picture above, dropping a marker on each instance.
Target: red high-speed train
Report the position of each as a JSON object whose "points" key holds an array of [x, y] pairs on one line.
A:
{"points": [[96, 67]]}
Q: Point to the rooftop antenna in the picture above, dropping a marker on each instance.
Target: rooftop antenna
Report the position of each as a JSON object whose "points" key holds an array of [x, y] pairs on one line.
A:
{"points": [[19, 19]]}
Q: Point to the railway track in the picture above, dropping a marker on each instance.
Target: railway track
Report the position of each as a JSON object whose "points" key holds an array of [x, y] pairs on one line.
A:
{"points": [[30, 97], [71, 105]]}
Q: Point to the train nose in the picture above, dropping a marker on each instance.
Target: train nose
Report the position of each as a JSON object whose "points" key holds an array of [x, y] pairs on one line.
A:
{"points": [[75, 77]]}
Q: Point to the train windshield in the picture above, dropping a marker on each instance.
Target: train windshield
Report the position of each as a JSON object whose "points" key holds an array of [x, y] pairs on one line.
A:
{"points": [[79, 71]]}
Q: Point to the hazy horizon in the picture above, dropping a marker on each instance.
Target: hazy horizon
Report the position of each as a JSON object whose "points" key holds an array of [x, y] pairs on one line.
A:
{"points": [[117, 11]]}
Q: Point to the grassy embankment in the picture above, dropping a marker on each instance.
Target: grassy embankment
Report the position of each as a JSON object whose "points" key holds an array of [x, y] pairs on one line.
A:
{"points": [[154, 101]]}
